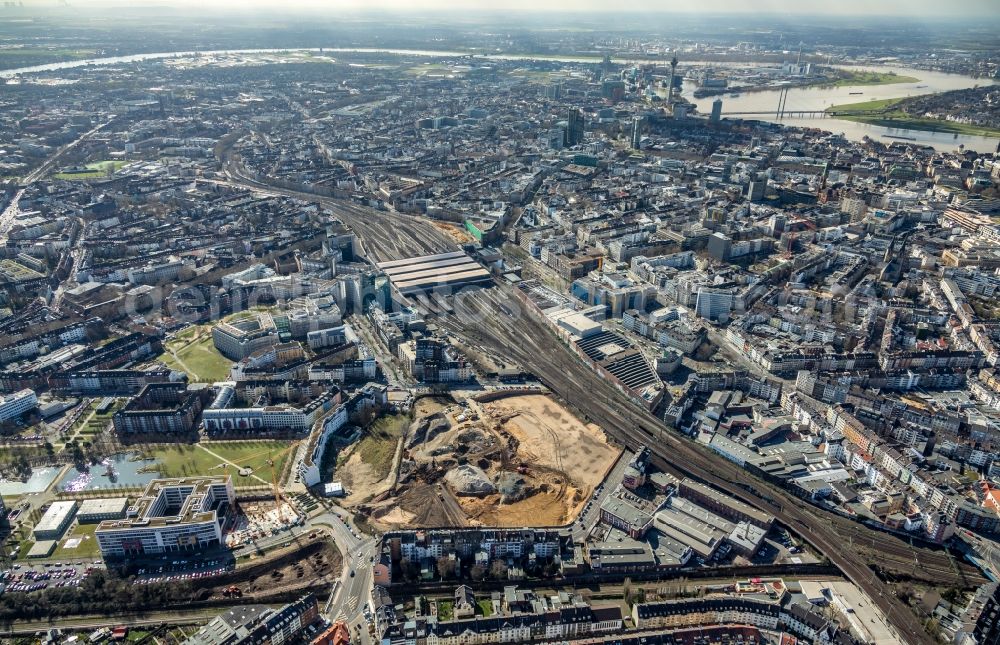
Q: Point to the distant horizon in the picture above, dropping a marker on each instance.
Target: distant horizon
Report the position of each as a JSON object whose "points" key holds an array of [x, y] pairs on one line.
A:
{"points": [[905, 11]]}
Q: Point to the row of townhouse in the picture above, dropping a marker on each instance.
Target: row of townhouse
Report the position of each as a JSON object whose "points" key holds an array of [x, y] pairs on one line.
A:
{"points": [[884, 467], [475, 543], [800, 620], [551, 626]]}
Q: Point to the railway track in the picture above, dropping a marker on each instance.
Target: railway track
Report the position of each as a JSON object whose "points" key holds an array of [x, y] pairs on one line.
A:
{"points": [[384, 235], [529, 341]]}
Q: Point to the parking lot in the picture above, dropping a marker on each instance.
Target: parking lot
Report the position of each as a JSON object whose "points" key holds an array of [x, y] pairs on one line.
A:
{"points": [[178, 570], [35, 577]]}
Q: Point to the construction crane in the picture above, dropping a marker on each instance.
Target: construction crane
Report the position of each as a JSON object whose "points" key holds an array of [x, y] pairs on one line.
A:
{"points": [[279, 495], [277, 491]]}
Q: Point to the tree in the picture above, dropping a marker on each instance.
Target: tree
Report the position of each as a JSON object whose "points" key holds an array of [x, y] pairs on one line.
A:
{"points": [[498, 570], [446, 567], [477, 572], [409, 569]]}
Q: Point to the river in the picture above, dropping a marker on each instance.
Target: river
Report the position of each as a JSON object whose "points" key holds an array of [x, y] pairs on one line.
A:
{"points": [[815, 98], [820, 98]]}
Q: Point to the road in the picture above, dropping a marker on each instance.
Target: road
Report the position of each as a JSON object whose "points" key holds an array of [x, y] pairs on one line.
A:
{"points": [[349, 596], [9, 213], [986, 550], [591, 513]]}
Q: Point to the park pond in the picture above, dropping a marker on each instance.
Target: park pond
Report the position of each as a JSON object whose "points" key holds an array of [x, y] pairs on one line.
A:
{"points": [[41, 479], [118, 471]]}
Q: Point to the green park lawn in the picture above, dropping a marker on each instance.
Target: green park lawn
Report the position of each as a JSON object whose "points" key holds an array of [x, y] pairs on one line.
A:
{"points": [[196, 356], [186, 460], [95, 170]]}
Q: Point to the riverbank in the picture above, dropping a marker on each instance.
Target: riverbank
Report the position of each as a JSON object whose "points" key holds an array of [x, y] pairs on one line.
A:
{"points": [[896, 118]]}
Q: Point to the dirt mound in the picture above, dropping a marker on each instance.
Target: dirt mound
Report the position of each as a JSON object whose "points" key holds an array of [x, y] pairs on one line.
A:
{"points": [[474, 441], [470, 480], [426, 429], [512, 487]]}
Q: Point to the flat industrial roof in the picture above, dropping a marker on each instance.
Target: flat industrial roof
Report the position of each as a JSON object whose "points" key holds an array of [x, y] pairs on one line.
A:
{"points": [[436, 273], [417, 274], [731, 502], [102, 506], [42, 549], [423, 258], [430, 281], [427, 266], [55, 516]]}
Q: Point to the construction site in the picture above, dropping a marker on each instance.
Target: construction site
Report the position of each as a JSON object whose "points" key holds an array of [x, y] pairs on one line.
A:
{"points": [[519, 460]]}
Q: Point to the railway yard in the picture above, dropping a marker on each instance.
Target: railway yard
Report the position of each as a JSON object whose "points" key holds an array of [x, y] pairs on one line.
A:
{"points": [[531, 343], [475, 317]]}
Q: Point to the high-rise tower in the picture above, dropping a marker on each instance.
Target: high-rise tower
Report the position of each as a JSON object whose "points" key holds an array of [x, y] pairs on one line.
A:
{"points": [[574, 127], [673, 72]]}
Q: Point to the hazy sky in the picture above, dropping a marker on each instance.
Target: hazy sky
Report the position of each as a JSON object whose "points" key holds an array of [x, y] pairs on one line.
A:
{"points": [[969, 9]]}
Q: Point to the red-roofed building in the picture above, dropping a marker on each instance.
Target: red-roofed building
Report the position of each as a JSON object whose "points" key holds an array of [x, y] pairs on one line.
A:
{"points": [[336, 634]]}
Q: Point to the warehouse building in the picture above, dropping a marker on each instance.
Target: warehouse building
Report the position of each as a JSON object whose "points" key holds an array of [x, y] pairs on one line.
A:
{"points": [[442, 271], [724, 505], [185, 514], [54, 521], [97, 510]]}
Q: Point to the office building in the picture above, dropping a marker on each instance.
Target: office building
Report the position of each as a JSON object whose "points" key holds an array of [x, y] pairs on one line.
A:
{"points": [[172, 515], [714, 304], [14, 406], [93, 511], [637, 133], [238, 339], [716, 111], [574, 127]]}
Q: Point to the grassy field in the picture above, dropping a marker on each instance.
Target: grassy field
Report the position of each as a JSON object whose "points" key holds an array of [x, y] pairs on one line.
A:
{"points": [[895, 118], [882, 104], [11, 57], [378, 446], [254, 454], [96, 170], [88, 544], [193, 352], [872, 78], [197, 459]]}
